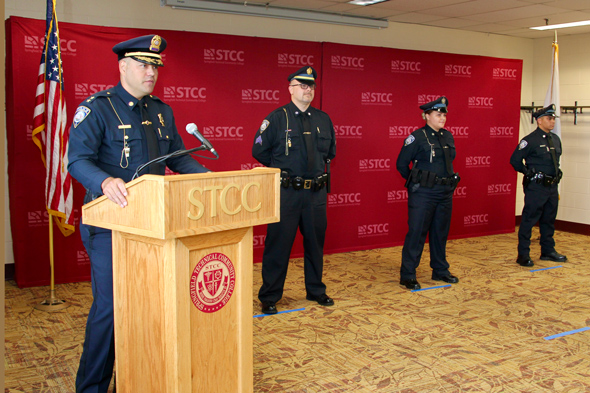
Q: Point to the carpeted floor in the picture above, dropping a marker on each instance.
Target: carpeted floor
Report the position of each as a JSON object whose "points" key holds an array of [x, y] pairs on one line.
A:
{"points": [[489, 333]]}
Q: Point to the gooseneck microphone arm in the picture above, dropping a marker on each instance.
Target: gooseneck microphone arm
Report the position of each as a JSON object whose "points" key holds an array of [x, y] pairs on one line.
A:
{"points": [[191, 128]]}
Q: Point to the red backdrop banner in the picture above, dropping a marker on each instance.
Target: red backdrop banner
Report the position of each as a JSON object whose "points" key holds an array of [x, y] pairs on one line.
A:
{"points": [[228, 84]]}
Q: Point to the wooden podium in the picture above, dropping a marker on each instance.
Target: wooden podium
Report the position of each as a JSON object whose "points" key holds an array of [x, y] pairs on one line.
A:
{"points": [[182, 272]]}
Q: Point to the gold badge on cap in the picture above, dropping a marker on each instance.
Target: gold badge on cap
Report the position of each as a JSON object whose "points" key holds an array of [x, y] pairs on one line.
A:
{"points": [[444, 100], [309, 71], [155, 44]]}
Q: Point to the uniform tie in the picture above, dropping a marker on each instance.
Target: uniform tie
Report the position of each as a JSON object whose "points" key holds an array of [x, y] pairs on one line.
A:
{"points": [[552, 150], [446, 152], [309, 142], [150, 137]]}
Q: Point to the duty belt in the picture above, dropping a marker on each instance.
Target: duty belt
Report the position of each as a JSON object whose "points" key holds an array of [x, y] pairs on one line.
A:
{"points": [[544, 179], [299, 183]]}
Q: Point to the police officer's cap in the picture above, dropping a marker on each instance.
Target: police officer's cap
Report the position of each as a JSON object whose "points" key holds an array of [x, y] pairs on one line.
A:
{"points": [[145, 49], [439, 105], [547, 111], [305, 75]]}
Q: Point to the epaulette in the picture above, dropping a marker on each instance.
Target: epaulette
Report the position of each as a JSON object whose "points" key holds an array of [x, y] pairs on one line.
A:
{"points": [[102, 93], [155, 98]]}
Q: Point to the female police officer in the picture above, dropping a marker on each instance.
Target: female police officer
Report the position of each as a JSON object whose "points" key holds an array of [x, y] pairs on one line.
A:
{"points": [[430, 182]]}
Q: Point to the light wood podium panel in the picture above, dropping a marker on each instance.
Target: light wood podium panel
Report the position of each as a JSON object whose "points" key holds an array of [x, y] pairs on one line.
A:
{"points": [[182, 278]]}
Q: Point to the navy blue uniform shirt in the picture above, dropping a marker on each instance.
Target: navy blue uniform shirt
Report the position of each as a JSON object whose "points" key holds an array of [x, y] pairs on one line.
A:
{"points": [[423, 144], [97, 142], [534, 150], [279, 141]]}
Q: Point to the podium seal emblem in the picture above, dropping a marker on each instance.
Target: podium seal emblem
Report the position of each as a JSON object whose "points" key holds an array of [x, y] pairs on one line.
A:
{"points": [[213, 282]]}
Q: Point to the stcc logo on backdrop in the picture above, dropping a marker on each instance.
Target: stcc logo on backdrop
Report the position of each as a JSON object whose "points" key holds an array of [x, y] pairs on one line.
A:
{"points": [[406, 67], [185, 93], [480, 102], [83, 90], [374, 98], [397, 196], [500, 189], [504, 73], [426, 98], [223, 56], [476, 219], [349, 132], [400, 132], [224, 133], [344, 199], [292, 59], [260, 96], [459, 132], [458, 70], [373, 230], [501, 132], [35, 44], [348, 63], [375, 165]]}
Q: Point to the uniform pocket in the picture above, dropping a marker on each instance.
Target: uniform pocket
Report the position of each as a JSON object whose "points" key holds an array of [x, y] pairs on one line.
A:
{"points": [[324, 142]]}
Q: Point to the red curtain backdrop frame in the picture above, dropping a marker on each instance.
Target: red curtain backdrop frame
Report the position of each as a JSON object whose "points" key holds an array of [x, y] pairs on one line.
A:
{"points": [[228, 84]]}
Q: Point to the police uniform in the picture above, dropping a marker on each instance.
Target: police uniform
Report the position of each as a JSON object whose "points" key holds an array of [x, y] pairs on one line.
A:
{"points": [[540, 150], [431, 182], [108, 139], [280, 143]]}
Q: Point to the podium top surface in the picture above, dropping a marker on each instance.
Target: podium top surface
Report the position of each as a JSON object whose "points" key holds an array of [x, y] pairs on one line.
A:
{"points": [[167, 207]]}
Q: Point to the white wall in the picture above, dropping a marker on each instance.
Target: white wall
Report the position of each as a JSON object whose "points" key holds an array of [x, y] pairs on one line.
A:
{"points": [[149, 14], [574, 74]]}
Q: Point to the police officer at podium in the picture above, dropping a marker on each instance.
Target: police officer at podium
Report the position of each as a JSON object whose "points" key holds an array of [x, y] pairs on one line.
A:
{"points": [[540, 151], [300, 140], [113, 133], [426, 162]]}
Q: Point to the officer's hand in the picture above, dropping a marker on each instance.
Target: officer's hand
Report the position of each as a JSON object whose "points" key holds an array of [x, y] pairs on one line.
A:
{"points": [[115, 190]]}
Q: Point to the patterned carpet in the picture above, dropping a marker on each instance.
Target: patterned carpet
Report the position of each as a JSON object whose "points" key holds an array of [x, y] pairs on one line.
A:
{"points": [[489, 333]]}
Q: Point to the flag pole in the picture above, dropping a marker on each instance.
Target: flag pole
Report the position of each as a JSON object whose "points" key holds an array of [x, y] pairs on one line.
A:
{"points": [[52, 303]]}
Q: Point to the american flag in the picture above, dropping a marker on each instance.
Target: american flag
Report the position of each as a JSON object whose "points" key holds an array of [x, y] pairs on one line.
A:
{"points": [[50, 133]]}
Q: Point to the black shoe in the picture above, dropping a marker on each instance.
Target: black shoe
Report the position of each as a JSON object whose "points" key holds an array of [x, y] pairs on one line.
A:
{"points": [[447, 278], [524, 260], [269, 308], [553, 256], [323, 299], [410, 284]]}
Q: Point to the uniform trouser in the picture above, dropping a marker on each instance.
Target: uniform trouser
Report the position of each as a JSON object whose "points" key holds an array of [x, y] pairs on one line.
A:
{"points": [[429, 212], [98, 354], [540, 205], [304, 210]]}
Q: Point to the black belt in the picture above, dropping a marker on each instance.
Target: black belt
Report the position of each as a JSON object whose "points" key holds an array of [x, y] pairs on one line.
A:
{"points": [[299, 183], [544, 179], [445, 180]]}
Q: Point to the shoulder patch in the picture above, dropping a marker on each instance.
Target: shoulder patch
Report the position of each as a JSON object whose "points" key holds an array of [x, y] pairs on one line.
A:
{"points": [[81, 113], [264, 125], [409, 140], [522, 144]]}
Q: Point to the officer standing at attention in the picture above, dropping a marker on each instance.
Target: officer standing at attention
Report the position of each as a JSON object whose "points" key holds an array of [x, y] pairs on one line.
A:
{"points": [[431, 182], [540, 150], [300, 140], [114, 132]]}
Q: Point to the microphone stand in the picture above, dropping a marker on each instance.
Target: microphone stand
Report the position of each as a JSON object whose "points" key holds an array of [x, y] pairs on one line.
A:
{"points": [[157, 160]]}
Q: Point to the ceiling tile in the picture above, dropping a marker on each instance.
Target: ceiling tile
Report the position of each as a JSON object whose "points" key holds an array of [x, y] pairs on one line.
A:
{"points": [[517, 13], [509, 17], [454, 23], [475, 7], [414, 17]]}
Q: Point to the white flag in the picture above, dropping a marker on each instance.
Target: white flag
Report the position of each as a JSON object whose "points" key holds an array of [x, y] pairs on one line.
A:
{"points": [[552, 96]]}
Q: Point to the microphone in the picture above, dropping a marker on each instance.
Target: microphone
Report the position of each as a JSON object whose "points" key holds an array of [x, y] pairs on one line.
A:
{"points": [[191, 128]]}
